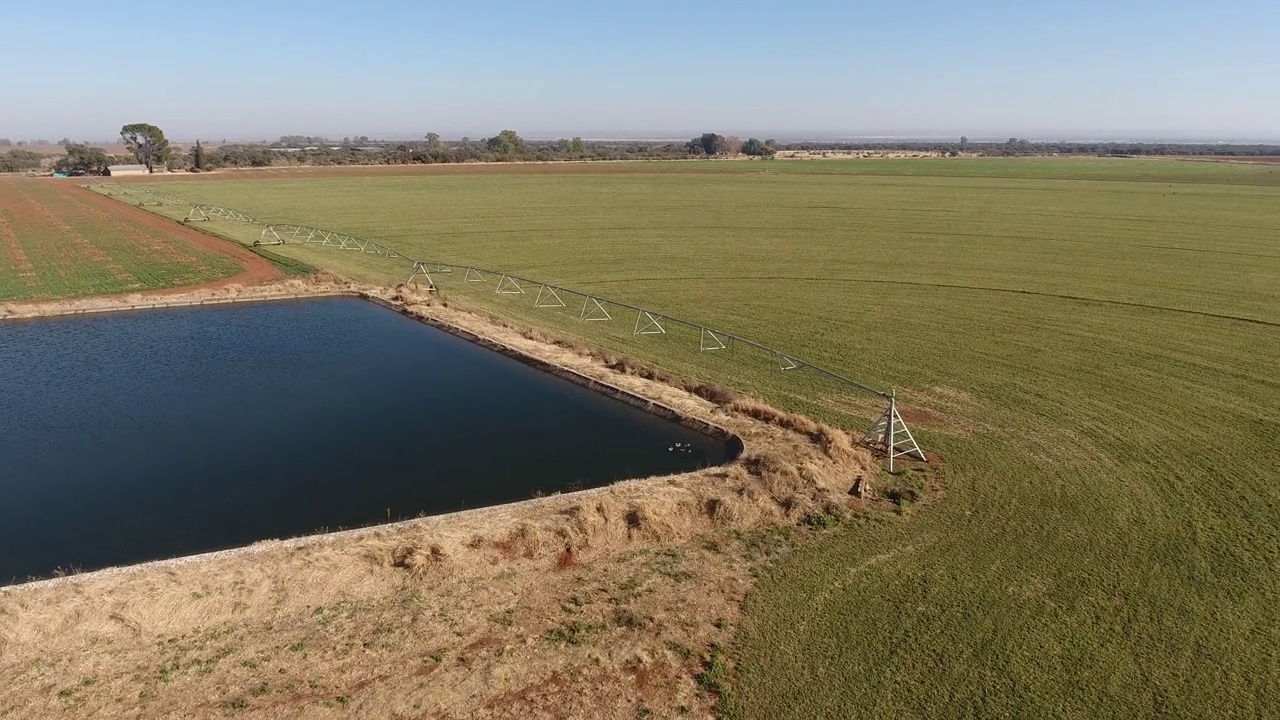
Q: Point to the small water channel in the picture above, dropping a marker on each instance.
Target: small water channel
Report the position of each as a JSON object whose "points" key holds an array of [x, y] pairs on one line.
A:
{"points": [[144, 435]]}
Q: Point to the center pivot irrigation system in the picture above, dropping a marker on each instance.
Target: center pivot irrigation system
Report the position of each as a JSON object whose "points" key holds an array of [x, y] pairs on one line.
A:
{"points": [[888, 434]]}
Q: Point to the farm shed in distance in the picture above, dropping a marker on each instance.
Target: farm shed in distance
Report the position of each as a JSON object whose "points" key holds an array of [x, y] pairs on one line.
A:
{"points": [[118, 170]]}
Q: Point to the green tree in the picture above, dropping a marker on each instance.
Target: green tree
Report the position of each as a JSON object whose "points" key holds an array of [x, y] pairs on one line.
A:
{"points": [[18, 160], [964, 140], [753, 146], [80, 157], [709, 144], [577, 146], [433, 141], [147, 143], [197, 156], [506, 142]]}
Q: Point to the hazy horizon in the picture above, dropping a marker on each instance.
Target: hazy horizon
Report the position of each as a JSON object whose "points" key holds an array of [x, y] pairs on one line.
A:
{"points": [[781, 136], [819, 70]]}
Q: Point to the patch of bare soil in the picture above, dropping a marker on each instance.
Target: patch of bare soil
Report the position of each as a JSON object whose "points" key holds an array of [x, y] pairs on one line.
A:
{"points": [[597, 604], [944, 409]]}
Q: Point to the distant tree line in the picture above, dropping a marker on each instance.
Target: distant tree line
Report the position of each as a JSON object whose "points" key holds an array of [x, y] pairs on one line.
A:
{"points": [[149, 147], [6, 142], [506, 146], [19, 160], [146, 143], [1017, 146]]}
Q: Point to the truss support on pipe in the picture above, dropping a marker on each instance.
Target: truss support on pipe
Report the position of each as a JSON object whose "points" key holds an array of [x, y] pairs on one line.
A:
{"points": [[651, 325], [548, 297], [592, 310], [421, 269], [473, 275], [710, 341], [507, 285], [275, 238], [890, 432], [785, 363], [208, 212]]}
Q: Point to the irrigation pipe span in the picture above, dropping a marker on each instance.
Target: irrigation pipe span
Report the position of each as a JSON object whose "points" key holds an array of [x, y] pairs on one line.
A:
{"points": [[889, 433]]}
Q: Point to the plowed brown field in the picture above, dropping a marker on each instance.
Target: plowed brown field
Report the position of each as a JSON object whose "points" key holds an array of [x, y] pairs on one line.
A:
{"points": [[58, 240]]}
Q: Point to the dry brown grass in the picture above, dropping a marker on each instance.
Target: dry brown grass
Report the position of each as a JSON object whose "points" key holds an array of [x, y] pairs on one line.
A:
{"points": [[317, 284], [624, 364], [598, 604]]}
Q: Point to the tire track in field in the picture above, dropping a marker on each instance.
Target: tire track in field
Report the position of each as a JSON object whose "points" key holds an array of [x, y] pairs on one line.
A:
{"points": [[17, 257], [979, 288], [82, 246], [151, 242], [816, 601]]}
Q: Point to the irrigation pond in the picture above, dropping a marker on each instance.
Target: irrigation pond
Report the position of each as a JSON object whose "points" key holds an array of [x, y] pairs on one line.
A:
{"points": [[144, 435]]}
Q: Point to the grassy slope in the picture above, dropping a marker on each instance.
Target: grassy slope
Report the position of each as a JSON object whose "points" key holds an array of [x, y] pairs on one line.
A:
{"points": [[54, 247], [1099, 339]]}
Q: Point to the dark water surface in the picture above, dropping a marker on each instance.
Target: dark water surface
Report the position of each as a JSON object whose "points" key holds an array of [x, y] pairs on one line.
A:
{"points": [[138, 436]]}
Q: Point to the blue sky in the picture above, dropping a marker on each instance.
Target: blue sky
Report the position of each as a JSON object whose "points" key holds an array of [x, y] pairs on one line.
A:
{"points": [[990, 68]]}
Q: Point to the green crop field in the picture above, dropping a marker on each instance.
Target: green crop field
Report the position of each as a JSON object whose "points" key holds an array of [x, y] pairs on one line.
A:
{"points": [[57, 241], [1090, 347]]}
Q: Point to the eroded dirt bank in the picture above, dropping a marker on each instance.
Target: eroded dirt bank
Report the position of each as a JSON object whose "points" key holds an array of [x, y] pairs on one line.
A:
{"points": [[606, 603]]}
